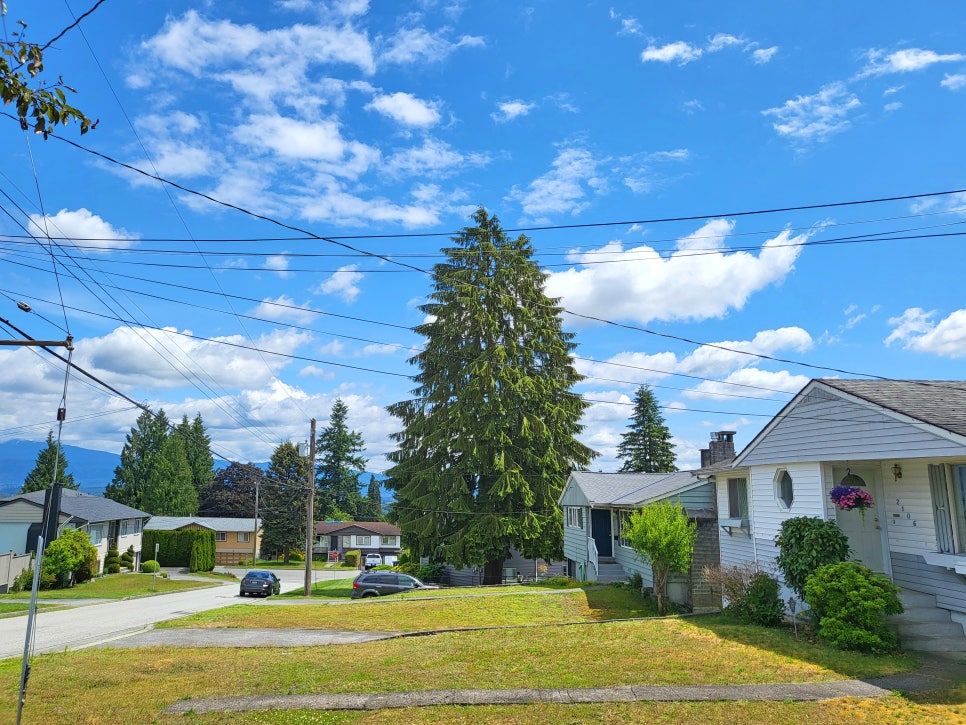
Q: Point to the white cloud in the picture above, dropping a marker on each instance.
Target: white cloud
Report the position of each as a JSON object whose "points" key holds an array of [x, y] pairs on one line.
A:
{"points": [[285, 308], [419, 45], [433, 158], [815, 117], [314, 371], [83, 228], [905, 61], [915, 330], [721, 41], [564, 188], [509, 110], [342, 283], [764, 55], [751, 382], [701, 280], [333, 347], [714, 360], [278, 263], [954, 81], [377, 349], [693, 105], [679, 52], [406, 109], [892, 107]]}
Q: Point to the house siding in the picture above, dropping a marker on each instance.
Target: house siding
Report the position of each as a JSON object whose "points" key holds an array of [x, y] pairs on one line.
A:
{"points": [[737, 547], [809, 499], [826, 427], [575, 540], [912, 572]]}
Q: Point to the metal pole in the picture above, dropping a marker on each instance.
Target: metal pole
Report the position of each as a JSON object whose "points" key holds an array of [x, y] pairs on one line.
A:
{"points": [[310, 516], [31, 613], [157, 565], [255, 528]]}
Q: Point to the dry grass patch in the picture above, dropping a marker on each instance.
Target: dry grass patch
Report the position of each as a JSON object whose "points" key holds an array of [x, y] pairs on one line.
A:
{"points": [[408, 615]]}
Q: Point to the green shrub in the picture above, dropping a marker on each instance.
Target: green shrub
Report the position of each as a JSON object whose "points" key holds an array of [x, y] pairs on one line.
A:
{"points": [[850, 603], [564, 581], [408, 567], [150, 566], [64, 556], [112, 564], [175, 547], [431, 572], [636, 581], [203, 553], [763, 604], [352, 558], [127, 559], [806, 543], [23, 582]]}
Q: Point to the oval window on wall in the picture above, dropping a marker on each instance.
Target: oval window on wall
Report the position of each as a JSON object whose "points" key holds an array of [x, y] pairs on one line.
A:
{"points": [[784, 489]]}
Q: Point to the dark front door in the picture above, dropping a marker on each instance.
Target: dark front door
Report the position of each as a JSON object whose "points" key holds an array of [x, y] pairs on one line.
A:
{"points": [[600, 528]]}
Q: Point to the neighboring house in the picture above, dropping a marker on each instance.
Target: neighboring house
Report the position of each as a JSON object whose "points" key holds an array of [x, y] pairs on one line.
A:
{"points": [[904, 441], [370, 537], [104, 520], [516, 568], [596, 508], [234, 540]]}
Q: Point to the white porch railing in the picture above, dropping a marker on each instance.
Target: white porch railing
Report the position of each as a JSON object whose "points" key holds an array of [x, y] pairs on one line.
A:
{"points": [[592, 556]]}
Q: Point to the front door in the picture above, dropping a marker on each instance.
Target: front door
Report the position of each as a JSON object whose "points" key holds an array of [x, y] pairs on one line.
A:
{"points": [[863, 528], [600, 528]]}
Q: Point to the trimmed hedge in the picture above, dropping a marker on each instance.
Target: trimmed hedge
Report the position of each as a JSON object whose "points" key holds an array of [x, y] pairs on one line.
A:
{"points": [[177, 548], [150, 566]]}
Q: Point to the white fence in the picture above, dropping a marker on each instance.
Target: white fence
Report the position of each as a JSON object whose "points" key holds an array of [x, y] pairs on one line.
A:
{"points": [[11, 566]]}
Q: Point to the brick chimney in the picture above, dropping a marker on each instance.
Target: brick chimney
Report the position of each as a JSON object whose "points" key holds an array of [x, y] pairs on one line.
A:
{"points": [[721, 448]]}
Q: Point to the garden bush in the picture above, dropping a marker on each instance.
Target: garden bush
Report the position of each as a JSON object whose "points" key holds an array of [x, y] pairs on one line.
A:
{"points": [[431, 572], [127, 559], [804, 544], [352, 558], [175, 547], [407, 567], [63, 556], [150, 566], [763, 604], [87, 569], [296, 556], [23, 582], [203, 553], [112, 564], [850, 603], [732, 582]]}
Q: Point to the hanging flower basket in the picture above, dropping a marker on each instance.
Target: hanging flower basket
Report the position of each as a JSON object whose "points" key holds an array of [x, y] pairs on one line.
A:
{"points": [[849, 498]]}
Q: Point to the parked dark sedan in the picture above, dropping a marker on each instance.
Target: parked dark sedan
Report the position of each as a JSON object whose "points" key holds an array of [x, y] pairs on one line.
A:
{"points": [[259, 581], [380, 583]]}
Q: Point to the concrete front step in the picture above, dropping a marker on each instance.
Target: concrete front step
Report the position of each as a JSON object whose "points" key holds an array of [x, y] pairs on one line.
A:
{"points": [[921, 614], [933, 644], [914, 630], [924, 627], [913, 600]]}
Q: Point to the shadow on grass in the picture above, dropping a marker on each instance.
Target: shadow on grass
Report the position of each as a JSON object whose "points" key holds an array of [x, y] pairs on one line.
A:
{"points": [[613, 602], [807, 648]]}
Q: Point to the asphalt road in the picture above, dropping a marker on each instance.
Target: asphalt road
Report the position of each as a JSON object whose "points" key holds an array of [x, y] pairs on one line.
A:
{"points": [[92, 624]]}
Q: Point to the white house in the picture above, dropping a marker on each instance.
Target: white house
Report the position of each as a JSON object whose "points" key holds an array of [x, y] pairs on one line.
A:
{"points": [[904, 441], [104, 520]]}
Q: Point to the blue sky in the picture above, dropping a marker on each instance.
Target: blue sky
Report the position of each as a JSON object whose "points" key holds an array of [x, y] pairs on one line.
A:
{"points": [[386, 124]]}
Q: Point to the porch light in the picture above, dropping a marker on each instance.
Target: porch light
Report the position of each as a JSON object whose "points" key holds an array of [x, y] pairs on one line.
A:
{"points": [[896, 471]]}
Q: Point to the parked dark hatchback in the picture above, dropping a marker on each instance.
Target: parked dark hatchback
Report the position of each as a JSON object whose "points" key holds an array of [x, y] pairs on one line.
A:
{"points": [[380, 583], [259, 581]]}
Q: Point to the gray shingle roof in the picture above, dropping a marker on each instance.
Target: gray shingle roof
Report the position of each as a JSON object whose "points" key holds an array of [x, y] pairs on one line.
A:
{"points": [[347, 528], [172, 523], [631, 489], [941, 403], [84, 506]]}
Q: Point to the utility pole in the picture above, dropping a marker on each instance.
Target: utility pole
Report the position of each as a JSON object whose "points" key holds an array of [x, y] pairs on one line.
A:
{"points": [[310, 515], [255, 528]]}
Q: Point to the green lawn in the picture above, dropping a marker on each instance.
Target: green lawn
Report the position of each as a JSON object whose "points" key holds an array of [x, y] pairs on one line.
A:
{"points": [[110, 686], [114, 586]]}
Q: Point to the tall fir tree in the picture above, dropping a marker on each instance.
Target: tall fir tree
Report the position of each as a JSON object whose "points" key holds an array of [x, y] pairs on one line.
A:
{"points": [[646, 447], [139, 456], [42, 475], [197, 447], [283, 501], [489, 436], [373, 500], [169, 490], [338, 465]]}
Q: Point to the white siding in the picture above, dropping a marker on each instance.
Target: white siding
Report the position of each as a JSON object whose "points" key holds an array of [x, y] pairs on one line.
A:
{"points": [[809, 499], [573, 496], [738, 548], [909, 515], [13, 537], [833, 429], [575, 540], [21, 512]]}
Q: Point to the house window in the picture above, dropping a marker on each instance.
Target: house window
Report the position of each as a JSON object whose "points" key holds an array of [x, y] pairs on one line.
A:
{"points": [[125, 528], [390, 541], [623, 520], [737, 498], [221, 536], [575, 517], [784, 491], [363, 541], [96, 535], [244, 537]]}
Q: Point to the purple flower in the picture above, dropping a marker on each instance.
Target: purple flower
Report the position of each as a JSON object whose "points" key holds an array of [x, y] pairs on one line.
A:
{"points": [[850, 497]]}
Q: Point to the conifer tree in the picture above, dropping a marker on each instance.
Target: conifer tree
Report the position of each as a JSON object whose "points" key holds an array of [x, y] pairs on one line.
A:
{"points": [[142, 449], [646, 447], [168, 490], [338, 465], [197, 447], [373, 500], [489, 435], [282, 506], [42, 475]]}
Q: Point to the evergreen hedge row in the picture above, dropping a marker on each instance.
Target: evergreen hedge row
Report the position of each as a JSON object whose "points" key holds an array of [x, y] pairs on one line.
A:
{"points": [[177, 548]]}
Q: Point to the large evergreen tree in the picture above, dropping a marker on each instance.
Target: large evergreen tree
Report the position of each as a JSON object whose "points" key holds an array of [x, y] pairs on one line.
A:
{"points": [[139, 457], [232, 492], [489, 436], [49, 459], [372, 503], [168, 490], [338, 465], [646, 447], [283, 501], [197, 448]]}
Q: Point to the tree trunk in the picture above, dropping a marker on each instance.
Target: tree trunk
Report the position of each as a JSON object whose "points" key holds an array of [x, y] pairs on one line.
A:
{"points": [[493, 571], [660, 588]]}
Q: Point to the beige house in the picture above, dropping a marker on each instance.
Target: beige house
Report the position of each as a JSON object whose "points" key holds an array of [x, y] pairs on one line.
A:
{"points": [[236, 540]]}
